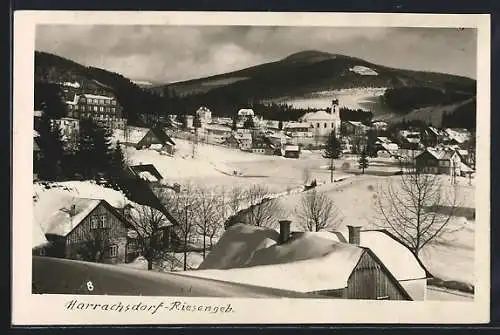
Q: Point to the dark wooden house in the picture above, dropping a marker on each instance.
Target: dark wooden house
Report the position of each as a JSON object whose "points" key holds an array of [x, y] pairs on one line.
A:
{"points": [[90, 230], [156, 137]]}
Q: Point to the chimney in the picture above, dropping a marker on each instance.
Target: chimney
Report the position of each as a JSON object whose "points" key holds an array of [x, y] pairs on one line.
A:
{"points": [[354, 234], [72, 211], [284, 231]]}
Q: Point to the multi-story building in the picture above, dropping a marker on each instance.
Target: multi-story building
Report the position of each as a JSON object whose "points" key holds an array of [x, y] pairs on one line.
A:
{"points": [[100, 108]]}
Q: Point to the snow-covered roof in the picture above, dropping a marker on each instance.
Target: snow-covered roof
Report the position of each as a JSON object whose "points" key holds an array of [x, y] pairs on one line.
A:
{"points": [[396, 257], [70, 84], [465, 168], [203, 109], [217, 127], [440, 154], [54, 215], [146, 175], [459, 135], [319, 115], [35, 133], [390, 146], [291, 148], [291, 125], [383, 139], [245, 112], [243, 136], [37, 113], [307, 262], [93, 96]]}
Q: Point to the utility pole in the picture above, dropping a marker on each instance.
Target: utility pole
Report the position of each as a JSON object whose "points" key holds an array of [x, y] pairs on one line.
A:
{"points": [[185, 237]]}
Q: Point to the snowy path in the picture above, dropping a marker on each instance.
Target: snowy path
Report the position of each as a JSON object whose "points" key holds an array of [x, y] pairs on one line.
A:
{"points": [[114, 280]]}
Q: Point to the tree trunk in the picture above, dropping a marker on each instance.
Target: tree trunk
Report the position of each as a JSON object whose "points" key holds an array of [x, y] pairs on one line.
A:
{"points": [[185, 254], [204, 245], [331, 170], [150, 264]]}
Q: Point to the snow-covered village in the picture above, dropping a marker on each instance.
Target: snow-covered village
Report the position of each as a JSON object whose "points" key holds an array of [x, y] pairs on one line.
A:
{"points": [[311, 174]]}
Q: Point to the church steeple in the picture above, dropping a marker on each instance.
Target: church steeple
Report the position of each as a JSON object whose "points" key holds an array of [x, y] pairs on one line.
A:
{"points": [[335, 115]]}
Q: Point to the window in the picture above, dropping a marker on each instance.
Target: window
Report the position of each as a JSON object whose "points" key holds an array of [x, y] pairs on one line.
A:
{"points": [[93, 222], [332, 125], [113, 102], [103, 221], [317, 125], [112, 250], [76, 107], [101, 109], [324, 125], [82, 100], [95, 108], [113, 109]]}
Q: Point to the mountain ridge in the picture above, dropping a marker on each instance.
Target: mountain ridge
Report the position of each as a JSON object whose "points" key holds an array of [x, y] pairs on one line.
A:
{"points": [[297, 76]]}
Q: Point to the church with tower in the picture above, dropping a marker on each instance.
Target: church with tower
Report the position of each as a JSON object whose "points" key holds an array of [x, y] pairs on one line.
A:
{"points": [[323, 122]]}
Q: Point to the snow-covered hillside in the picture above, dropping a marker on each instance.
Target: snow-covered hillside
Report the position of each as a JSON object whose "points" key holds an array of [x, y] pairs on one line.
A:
{"points": [[209, 160], [450, 258]]}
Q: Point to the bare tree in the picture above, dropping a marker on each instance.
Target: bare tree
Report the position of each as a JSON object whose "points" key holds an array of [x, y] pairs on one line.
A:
{"points": [[182, 205], [234, 200], [416, 208], [207, 213], [263, 211], [317, 211], [149, 224]]}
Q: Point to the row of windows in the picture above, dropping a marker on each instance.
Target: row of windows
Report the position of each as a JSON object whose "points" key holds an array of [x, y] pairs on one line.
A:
{"points": [[93, 108], [325, 125], [98, 101], [103, 117], [99, 221]]}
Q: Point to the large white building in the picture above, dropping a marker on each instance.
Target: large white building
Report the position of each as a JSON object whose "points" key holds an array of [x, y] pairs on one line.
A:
{"points": [[204, 114], [322, 123]]}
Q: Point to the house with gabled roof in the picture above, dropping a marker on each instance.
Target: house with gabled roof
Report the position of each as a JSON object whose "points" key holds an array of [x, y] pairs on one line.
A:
{"points": [[438, 161], [88, 229], [157, 139], [322, 263], [84, 228]]}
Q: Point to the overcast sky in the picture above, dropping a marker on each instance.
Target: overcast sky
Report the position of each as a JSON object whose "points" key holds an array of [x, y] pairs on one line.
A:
{"points": [[174, 53]]}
